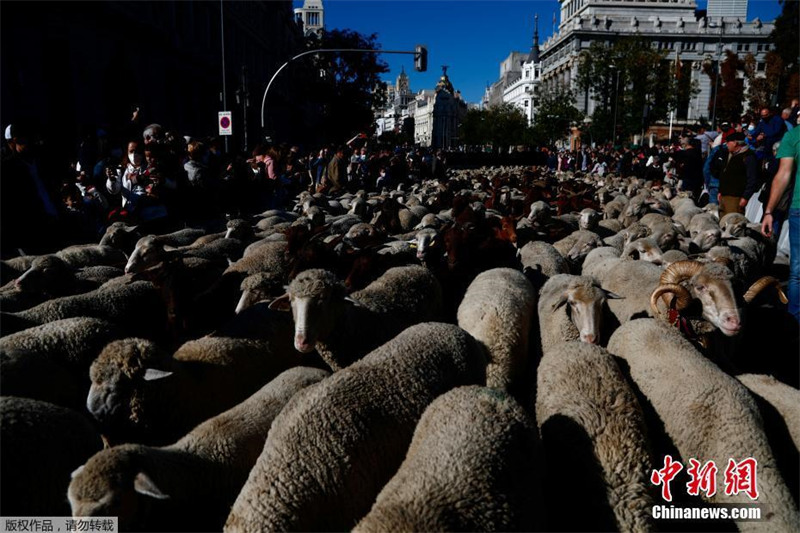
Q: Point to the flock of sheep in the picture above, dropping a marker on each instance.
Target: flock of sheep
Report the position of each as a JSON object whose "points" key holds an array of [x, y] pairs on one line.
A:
{"points": [[509, 350]]}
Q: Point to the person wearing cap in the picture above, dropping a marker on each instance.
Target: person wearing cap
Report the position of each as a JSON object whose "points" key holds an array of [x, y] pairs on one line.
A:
{"points": [[789, 157], [737, 172]]}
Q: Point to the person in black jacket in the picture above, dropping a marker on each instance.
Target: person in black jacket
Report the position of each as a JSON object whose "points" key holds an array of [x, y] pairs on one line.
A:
{"points": [[737, 171]]}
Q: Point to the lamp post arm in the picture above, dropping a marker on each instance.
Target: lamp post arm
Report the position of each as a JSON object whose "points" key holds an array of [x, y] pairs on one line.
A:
{"points": [[321, 51]]}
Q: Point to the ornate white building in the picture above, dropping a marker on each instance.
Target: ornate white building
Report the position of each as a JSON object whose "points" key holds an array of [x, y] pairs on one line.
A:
{"points": [[519, 80], [312, 15], [393, 115], [437, 114], [672, 25]]}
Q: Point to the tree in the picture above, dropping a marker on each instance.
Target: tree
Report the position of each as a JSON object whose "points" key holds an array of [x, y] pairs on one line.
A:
{"points": [[348, 86], [729, 87], [556, 113], [501, 126], [784, 37], [635, 82], [760, 90]]}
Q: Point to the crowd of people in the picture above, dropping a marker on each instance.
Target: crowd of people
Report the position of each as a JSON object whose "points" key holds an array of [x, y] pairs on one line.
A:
{"points": [[162, 180]]}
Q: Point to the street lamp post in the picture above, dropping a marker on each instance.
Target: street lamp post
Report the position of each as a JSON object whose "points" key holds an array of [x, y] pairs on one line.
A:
{"points": [[616, 105], [420, 63], [718, 69]]}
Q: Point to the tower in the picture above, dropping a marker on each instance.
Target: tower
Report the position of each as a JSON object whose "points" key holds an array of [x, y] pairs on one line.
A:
{"points": [[534, 55], [312, 15]]}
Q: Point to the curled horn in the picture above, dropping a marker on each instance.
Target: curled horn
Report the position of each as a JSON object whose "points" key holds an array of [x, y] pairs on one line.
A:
{"points": [[680, 271], [761, 284], [678, 291]]}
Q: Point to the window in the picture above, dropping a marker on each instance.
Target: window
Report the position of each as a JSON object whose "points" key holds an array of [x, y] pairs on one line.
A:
{"points": [[527, 103], [761, 67]]}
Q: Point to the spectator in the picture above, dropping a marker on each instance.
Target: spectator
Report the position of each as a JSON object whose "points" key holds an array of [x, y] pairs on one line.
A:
{"points": [[768, 131], [737, 174], [786, 116], [337, 171], [706, 137], [690, 166]]}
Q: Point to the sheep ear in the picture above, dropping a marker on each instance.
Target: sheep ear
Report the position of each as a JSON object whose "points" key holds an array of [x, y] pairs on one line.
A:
{"points": [[144, 485], [130, 229], [281, 303], [560, 302], [153, 374], [77, 472], [613, 296], [349, 299]]}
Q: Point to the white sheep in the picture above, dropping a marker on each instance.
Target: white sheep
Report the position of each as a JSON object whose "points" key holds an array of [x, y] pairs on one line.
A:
{"points": [[192, 483], [473, 465], [51, 362], [543, 260], [785, 399], [498, 310], [708, 415], [581, 390], [140, 394], [344, 329], [337, 443], [586, 302]]}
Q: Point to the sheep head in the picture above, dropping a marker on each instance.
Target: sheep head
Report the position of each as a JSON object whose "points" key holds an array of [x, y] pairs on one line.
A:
{"points": [[587, 241], [258, 287], [118, 375], [316, 299], [733, 225], [148, 253], [586, 302], [589, 219], [646, 249], [114, 482], [429, 244], [48, 275], [710, 283]]}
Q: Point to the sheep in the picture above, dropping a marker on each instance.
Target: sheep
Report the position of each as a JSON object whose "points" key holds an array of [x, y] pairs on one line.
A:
{"points": [[473, 465], [13, 268], [51, 362], [684, 213], [498, 310], [585, 319], [182, 237], [342, 330], [192, 483], [704, 231], [632, 281], [337, 443], [259, 287], [121, 236], [83, 255], [662, 229], [785, 399], [593, 427], [544, 259], [627, 236], [713, 417], [42, 444], [136, 307], [645, 249], [575, 247], [733, 225], [140, 394], [672, 256]]}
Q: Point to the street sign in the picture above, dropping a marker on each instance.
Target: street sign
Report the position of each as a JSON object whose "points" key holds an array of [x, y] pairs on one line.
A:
{"points": [[225, 124]]}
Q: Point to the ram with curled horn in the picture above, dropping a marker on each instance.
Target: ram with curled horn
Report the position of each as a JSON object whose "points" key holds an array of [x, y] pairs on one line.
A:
{"points": [[710, 283]]}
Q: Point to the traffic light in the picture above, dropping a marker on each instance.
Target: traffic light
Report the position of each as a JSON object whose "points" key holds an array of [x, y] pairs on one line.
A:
{"points": [[420, 58]]}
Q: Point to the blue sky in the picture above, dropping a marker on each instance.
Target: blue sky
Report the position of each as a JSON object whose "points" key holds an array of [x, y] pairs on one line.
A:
{"points": [[471, 36]]}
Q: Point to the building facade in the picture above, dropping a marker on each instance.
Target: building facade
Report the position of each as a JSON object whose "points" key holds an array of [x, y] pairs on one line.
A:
{"points": [[672, 25], [519, 80], [437, 115], [392, 116], [312, 17]]}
